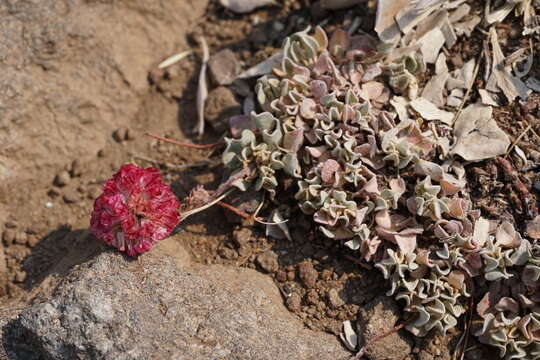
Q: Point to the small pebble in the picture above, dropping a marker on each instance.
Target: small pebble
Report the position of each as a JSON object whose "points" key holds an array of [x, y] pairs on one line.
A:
{"points": [[241, 237], [76, 169], [334, 299], [62, 178], [21, 238], [326, 274], [53, 192], [119, 135], [130, 134], [93, 193], [32, 231], [11, 224], [228, 254], [291, 275], [294, 302], [32, 241], [281, 276], [424, 355], [312, 297], [268, 260], [8, 236], [20, 276], [70, 198], [101, 153]]}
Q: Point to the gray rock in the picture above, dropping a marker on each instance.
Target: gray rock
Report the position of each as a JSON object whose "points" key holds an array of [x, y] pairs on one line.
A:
{"points": [[120, 134], [220, 106], [224, 66], [156, 307], [62, 178], [379, 317], [71, 197]]}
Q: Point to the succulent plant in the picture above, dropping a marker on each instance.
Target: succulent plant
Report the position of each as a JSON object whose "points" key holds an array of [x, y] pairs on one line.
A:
{"points": [[509, 311], [378, 182], [433, 293], [319, 128]]}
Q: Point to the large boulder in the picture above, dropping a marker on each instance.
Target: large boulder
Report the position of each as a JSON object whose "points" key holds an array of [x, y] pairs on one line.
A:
{"points": [[158, 307]]}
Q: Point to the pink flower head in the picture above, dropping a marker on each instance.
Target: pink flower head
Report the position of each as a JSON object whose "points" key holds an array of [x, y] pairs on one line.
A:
{"points": [[136, 210]]}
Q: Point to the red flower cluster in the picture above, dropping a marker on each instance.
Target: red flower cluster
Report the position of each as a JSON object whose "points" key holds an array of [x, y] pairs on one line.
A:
{"points": [[136, 210]]}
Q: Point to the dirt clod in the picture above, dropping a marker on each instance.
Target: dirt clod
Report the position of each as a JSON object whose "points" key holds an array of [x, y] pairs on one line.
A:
{"points": [[242, 236], [308, 275], [294, 302], [229, 254], [268, 260]]}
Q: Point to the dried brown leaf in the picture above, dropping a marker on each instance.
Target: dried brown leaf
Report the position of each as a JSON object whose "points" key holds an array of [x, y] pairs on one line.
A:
{"points": [[477, 135]]}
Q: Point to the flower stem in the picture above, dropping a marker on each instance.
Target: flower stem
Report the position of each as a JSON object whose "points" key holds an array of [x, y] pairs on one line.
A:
{"points": [[234, 210], [187, 214]]}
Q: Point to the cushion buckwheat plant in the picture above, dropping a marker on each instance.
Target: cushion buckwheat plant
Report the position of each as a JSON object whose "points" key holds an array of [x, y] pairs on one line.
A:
{"points": [[336, 128], [136, 210], [378, 178]]}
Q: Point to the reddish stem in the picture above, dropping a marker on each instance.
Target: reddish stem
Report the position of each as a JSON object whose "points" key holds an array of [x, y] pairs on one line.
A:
{"points": [[376, 339], [234, 210], [193, 146]]}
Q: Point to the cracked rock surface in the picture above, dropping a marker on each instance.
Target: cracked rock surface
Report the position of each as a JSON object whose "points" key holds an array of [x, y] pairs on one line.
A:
{"points": [[158, 307]]}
